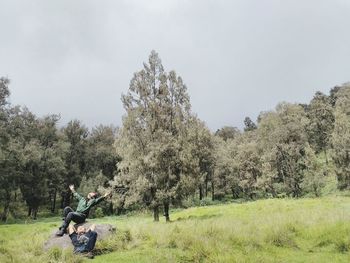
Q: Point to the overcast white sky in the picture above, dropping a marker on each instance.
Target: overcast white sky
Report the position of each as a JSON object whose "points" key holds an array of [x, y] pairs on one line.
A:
{"points": [[237, 57]]}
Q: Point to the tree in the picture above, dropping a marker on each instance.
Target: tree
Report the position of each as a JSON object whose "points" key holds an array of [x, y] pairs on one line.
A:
{"points": [[341, 138], [227, 132], [320, 114], [100, 152], [4, 91], [200, 144], [10, 150], [54, 152], [101, 159], [249, 125], [38, 159], [334, 92], [315, 174], [75, 135], [33, 183], [153, 137], [225, 177], [237, 166], [248, 166], [283, 140]]}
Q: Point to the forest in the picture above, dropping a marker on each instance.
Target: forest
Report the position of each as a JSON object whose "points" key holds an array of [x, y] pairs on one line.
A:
{"points": [[164, 156]]}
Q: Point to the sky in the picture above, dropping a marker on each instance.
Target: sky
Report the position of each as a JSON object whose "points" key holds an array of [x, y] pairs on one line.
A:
{"points": [[237, 57]]}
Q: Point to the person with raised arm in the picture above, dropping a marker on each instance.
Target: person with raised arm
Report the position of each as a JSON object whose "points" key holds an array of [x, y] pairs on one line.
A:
{"points": [[83, 239], [82, 212]]}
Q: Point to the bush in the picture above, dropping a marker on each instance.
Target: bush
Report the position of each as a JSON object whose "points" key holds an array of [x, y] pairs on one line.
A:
{"points": [[99, 212]]}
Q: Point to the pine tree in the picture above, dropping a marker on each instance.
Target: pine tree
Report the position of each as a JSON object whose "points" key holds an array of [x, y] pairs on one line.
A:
{"points": [[153, 137]]}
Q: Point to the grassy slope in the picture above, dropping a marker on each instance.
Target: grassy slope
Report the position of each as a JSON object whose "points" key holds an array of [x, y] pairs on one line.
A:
{"points": [[284, 230]]}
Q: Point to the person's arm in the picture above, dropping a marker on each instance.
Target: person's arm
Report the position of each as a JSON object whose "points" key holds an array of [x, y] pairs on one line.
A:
{"points": [[92, 227], [75, 194], [100, 199], [71, 229]]}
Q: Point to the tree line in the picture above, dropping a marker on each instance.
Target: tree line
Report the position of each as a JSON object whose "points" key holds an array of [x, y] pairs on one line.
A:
{"points": [[39, 159], [163, 154]]}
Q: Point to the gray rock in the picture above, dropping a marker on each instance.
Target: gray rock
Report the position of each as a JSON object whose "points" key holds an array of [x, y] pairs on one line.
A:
{"points": [[64, 242]]}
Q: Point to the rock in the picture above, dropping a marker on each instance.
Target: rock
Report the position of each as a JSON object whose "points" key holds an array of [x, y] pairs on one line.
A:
{"points": [[64, 242]]}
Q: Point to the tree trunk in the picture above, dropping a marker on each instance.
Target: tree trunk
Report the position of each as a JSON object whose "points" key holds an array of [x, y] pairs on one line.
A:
{"points": [[66, 196], [156, 214], [206, 185], [53, 207], [212, 191], [110, 208], [325, 154], [62, 201], [29, 211], [6, 207], [200, 192], [120, 208], [35, 213], [166, 211]]}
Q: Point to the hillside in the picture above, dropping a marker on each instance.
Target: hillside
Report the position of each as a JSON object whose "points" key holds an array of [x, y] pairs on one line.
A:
{"points": [[274, 230]]}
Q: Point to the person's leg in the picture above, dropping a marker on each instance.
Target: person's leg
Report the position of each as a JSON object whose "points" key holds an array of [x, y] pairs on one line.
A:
{"points": [[74, 238], [75, 217], [65, 224], [66, 211], [92, 241], [71, 216], [78, 218]]}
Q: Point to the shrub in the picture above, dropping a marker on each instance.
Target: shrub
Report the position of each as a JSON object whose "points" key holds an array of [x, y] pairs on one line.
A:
{"points": [[99, 212]]}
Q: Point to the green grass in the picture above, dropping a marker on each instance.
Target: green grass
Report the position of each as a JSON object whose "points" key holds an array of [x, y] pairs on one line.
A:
{"points": [[274, 230]]}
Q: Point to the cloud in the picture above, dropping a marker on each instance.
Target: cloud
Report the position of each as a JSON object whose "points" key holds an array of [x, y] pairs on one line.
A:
{"points": [[236, 57]]}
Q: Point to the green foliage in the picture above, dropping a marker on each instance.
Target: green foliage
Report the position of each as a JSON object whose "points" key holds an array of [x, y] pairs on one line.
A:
{"points": [[283, 141], [4, 91], [271, 160], [341, 137], [321, 116], [315, 176], [227, 132], [249, 125], [98, 212], [225, 177], [100, 153], [162, 146]]}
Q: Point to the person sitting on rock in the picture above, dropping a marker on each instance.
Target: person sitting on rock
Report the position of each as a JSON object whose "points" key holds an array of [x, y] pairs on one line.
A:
{"points": [[79, 216], [83, 239]]}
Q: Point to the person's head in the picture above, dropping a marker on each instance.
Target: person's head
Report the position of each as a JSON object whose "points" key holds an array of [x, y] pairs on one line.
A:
{"points": [[91, 195], [81, 230]]}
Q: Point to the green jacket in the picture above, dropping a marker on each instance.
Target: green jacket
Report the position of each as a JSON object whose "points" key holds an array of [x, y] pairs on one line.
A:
{"points": [[85, 205]]}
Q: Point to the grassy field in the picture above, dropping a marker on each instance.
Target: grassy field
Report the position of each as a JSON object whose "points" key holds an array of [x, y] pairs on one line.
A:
{"points": [[275, 230]]}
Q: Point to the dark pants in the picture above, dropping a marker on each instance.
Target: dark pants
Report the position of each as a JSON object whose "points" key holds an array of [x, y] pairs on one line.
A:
{"points": [[92, 240], [84, 247], [69, 215]]}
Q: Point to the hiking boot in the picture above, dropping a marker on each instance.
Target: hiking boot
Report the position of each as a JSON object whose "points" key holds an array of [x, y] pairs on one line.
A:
{"points": [[60, 232]]}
